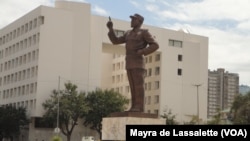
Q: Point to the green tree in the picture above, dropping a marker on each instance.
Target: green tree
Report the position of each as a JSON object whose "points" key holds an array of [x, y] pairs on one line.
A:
{"points": [[240, 110], [72, 106], [101, 104], [216, 118], [11, 121]]}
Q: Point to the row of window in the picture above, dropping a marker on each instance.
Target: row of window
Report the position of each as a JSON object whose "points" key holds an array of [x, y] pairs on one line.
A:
{"points": [[28, 104], [120, 65], [19, 61], [149, 59], [120, 77], [19, 76], [148, 100], [147, 87], [19, 91], [28, 42], [171, 42], [20, 46], [117, 79], [36, 22], [148, 72], [174, 43]]}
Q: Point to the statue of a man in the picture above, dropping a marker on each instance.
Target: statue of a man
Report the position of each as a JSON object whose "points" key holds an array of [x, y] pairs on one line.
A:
{"points": [[139, 43]]}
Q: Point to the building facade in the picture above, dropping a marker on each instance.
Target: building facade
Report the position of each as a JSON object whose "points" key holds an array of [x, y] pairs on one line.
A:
{"points": [[222, 89], [64, 43]]}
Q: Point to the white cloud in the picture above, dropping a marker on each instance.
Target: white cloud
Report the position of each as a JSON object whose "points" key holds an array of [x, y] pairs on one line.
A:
{"points": [[100, 11], [13, 9], [227, 49], [219, 9], [228, 42], [135, 3], [245, 25], [152, 8], [202, 10]]}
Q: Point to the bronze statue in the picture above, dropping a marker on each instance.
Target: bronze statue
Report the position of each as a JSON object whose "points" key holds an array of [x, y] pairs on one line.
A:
{"points": [[138, 42]]}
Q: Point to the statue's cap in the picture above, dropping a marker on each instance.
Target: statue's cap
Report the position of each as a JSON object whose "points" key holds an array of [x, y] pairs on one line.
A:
{"points": [[137, 16]]}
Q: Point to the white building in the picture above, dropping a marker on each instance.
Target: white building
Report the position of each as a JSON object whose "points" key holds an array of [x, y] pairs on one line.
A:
{"points": [[67, 41]]}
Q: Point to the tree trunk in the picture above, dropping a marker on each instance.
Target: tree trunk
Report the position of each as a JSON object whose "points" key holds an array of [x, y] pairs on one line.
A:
{"points": [[100, 134], [68, 137]]}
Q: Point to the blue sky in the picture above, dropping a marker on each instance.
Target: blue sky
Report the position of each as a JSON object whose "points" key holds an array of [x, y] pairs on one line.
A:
{"points": [[225, 22]]}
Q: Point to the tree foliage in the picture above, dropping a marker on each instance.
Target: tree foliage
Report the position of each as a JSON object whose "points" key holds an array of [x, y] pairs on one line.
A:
{"points": [[72, 106], [217, 118], [11, 121], [240, 110], [101, 104], [170, 118]]}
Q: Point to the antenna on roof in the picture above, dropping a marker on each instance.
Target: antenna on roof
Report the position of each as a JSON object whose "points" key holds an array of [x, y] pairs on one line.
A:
{"points": [[185, 30]]}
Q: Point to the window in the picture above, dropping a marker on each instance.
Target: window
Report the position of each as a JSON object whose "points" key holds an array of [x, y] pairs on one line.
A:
{"points": [[28, 73], [156, 100], [149, 85], [150, 59], [149, 100], [179, 57], [175, 43], [179, 71], [157, 70], [157, 57], [41, 20], [35, 23], [127, 89], [157, 85], [149, 72], [118, 66], [146, 60], [31, 88], [30, 25], [18, 32], [22, 29], [34, 39], [26, 27]]}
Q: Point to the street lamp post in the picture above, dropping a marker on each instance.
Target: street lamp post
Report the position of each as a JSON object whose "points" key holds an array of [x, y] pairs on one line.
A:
{"points": [[57, 130], [198, 110]]}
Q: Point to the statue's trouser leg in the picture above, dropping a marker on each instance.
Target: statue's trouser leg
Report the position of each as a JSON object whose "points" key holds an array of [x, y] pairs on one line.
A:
{"points": [[136, 82]]}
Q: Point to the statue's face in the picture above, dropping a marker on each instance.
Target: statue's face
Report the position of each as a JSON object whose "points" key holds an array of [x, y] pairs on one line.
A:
{"points": [[135, 22]]}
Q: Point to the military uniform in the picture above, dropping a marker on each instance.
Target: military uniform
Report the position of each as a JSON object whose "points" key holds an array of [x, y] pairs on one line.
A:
{"points": [[138, 40]]}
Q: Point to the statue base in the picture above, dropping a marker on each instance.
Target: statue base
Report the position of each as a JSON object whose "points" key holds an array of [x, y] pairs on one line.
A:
{"points": [[114, 127]]}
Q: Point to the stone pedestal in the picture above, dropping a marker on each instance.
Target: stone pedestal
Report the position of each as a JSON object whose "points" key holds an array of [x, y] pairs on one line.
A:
{"points": [[114, 127]]}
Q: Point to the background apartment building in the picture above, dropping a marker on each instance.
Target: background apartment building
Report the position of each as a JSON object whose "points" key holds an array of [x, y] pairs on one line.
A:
{"points": [[222, 89], [66, 41]]}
